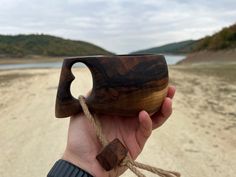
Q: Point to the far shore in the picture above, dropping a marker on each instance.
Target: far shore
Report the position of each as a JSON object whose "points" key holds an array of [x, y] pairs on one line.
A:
{"points": [[210, 57], [29, 59], [202, 57], [55, 62]]}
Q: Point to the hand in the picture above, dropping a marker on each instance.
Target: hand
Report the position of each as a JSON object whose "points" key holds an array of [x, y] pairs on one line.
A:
{"points": [[83, 146]]}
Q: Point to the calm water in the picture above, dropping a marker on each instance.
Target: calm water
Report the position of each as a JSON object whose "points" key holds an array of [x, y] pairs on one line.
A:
{"points": [[171, 59]]}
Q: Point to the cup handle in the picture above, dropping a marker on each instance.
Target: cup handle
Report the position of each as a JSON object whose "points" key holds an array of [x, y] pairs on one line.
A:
{"points": [[66, 104]]}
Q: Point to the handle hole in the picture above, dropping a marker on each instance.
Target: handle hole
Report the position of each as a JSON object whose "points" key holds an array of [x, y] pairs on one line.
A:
{"points": [[83, 82]]}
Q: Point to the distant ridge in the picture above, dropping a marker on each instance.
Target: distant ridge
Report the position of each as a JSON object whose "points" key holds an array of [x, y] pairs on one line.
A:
{"points": [[172, 48], [218, 48], [46, 45], [225, 39]]}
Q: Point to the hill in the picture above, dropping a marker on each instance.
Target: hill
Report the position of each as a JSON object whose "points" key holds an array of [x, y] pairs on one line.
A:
{"points": [[45, 45], [224, 39], [218, 48], [173, 48]]}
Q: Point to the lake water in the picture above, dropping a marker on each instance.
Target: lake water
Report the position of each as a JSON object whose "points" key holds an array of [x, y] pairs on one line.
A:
{"points": [[170, 59], [173, 59]]}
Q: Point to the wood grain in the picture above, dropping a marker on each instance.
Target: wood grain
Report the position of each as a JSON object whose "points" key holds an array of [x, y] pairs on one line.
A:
{"points": [[122, 85]]}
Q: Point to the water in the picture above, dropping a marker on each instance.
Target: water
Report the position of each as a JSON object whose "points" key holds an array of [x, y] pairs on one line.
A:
{"points": [[173, 59], [170, 59]]}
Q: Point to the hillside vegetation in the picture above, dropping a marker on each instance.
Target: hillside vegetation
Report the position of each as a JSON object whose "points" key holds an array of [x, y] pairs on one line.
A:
{"points": [[173, 48], [45, 45], [222, 40]]}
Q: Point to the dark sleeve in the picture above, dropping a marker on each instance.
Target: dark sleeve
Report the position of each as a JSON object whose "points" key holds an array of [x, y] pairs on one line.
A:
{"points": [[63, 168]]}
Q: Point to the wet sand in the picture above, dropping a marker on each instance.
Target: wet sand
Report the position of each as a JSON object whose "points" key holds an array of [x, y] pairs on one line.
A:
{"points": [[198, 139]]}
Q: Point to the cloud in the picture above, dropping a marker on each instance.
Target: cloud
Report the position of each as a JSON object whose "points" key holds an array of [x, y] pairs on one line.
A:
{"points": [[118, 25]]}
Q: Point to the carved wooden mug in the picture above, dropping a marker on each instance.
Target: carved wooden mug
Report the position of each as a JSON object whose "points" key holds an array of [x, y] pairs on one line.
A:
{"points": [[123, 85]]}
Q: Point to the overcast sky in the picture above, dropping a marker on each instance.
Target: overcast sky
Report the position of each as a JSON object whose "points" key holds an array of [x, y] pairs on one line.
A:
{"points": [[121, 26]]}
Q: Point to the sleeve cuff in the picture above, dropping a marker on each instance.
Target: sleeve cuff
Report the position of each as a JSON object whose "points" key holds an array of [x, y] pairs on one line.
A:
{"points": [[63, 168]]}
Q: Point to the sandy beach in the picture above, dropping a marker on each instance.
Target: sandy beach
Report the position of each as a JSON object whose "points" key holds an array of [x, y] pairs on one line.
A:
{"points": [[198, 140]]}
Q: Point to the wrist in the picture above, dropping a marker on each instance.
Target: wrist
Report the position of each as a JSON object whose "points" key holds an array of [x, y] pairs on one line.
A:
{"points": [[87, 162], [67, 169]]}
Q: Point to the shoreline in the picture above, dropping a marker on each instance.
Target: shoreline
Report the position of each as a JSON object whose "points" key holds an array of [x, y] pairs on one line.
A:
{"points": [[208, 57], [34, 60], [30, 59]]}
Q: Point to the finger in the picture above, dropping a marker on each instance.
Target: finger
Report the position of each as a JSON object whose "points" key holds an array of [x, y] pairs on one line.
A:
{"points": [[89, 92], [145, 128], [166, 108], [171, 91], [160, 117]]}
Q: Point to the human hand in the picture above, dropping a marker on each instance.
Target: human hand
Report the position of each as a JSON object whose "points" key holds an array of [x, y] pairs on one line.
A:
{"points": [[83, 145]]}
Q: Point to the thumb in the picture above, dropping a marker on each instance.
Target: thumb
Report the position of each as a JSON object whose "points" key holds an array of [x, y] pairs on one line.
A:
{"points": [[144, 130]]}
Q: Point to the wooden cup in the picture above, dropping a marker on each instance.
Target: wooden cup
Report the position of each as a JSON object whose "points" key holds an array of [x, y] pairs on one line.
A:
{"points": [[123, 85]]}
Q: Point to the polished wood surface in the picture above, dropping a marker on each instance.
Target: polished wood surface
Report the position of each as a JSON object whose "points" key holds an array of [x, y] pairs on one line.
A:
{"points": [[122, 85]]}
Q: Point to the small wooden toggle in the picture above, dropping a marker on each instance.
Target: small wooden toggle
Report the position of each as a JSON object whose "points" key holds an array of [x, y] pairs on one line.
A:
{"points": [[112, 155]]}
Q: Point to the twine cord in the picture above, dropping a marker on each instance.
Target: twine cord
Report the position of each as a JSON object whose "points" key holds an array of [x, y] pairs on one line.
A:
{"points": [[128, 162]]}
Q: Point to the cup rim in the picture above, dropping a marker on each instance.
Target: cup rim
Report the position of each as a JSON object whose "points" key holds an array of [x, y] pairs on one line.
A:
{"points": [[120, 55]]}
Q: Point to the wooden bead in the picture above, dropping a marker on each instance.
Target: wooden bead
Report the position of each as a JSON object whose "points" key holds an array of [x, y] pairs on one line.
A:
{"points": [[112, 155]]}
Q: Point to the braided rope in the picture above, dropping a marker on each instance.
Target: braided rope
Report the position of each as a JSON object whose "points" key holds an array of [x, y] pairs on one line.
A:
{"points": [[128, 162]]}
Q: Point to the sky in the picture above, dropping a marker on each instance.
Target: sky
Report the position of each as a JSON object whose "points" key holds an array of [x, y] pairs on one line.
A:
{"points": [[120, 26]]}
